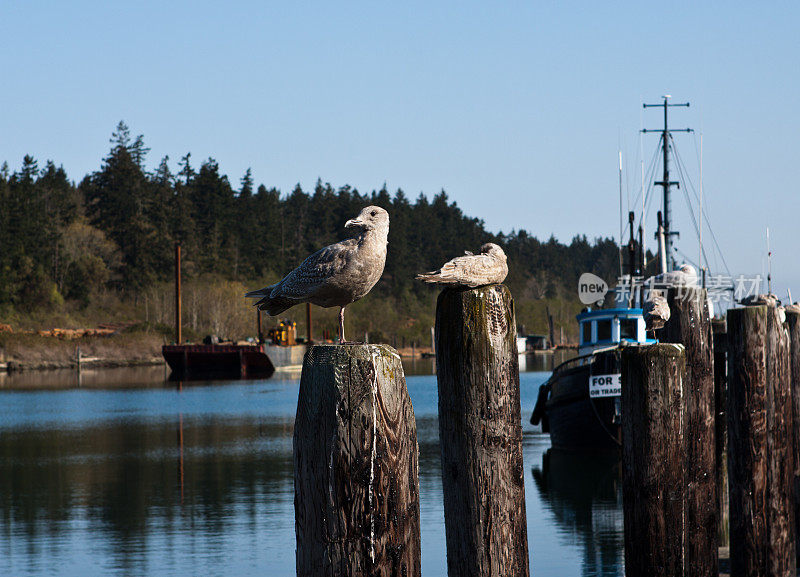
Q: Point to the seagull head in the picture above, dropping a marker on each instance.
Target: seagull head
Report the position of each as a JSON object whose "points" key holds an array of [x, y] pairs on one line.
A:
{"points": [[370, 218], [688, 270], [494, 250]]}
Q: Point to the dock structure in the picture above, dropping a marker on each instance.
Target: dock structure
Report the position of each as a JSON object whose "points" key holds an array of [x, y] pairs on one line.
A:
{"points": [[760, 444], [355, 465], [653, 457], [690, 325], [480, 432]]}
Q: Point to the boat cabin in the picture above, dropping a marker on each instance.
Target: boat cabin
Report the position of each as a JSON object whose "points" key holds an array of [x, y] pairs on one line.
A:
{"points": [[604, 328]]}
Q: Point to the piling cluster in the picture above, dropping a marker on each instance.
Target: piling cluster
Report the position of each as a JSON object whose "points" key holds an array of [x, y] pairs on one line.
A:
{"points": [[711, 430], [729, 388], [356, 454]]}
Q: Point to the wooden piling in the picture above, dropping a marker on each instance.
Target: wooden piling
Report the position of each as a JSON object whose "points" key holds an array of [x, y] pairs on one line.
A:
{"points": [[690, 325], [793, 326], [355, 465], [480, 433], [653, 458], [760, 444], [720, 330]]}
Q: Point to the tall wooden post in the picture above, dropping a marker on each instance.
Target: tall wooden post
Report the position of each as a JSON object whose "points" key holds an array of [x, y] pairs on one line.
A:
{"points": [[760, 445], [653, 458], [720, 329], [355, 465], [480, 432], [178, 293], [793, 326], [690, 325]]}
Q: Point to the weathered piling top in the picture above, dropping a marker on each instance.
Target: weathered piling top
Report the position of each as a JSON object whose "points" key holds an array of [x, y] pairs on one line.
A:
{"points": [[358, 351], [355, 465]]}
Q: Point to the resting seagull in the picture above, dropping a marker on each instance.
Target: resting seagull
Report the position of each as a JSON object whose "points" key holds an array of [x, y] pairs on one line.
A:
{"points": [[770, 300], [472, 270], [685, 275], [336, 275], [656, 312]]}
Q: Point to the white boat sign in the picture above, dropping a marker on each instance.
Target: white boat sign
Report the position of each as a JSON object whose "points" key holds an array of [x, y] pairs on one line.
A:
{"points": [[605, 386]]}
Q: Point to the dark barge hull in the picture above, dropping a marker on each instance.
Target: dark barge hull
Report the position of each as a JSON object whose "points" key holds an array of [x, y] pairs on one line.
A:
{"points": [[208, 361], [575, 421]]}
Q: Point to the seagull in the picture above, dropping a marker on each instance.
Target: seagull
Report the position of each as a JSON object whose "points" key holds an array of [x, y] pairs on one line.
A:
{"points": [[770, 300], [656, 312], [685, 275], [488, 267], [762, 299], [336, 275]]}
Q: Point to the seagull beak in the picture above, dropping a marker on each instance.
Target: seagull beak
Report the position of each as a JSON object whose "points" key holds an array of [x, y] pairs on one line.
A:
{"points": [[353, 223]]}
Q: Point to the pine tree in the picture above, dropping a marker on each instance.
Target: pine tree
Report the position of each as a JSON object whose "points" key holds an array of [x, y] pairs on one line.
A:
{"points": [[118, 199]]}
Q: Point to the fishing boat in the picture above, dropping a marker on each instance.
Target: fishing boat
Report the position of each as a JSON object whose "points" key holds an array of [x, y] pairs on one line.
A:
{"points": [[580, 404]]}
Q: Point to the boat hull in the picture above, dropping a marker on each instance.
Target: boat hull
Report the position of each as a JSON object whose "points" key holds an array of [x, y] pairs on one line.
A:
{"points": [[575, 421], [208, 361]]}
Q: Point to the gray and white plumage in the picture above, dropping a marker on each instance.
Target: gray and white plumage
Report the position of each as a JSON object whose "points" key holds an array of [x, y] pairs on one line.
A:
{"points": [[762, 299], [685, 275], [471, 270], [336, 275], [770, 300], [656, 312]]}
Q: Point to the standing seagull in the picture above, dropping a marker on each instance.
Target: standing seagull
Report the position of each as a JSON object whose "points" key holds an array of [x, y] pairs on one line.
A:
{"points": [[472, 270], [336, 275], [656, 313]]}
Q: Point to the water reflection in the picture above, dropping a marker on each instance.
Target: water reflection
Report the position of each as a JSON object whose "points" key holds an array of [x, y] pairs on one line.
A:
{"points": [[584, 494], [130, 476], [116, 378], [132, 481]]}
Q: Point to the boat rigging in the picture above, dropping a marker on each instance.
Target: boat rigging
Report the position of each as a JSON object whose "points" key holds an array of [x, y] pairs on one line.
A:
{"points": [[666, 183]]}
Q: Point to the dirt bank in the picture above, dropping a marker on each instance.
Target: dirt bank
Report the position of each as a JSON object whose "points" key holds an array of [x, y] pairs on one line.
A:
{"points": [[25, 351]]}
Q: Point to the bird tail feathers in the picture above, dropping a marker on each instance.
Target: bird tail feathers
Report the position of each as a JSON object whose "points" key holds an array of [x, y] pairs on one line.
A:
{"points": [[275, 306], [272, 305], [445, 275], [263, 292]]}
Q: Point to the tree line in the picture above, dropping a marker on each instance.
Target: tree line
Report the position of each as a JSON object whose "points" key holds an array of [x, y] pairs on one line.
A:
{"points": [[115, 230]]}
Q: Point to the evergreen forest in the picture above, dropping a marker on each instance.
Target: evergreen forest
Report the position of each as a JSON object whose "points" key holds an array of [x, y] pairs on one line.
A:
{"points": [[102, 249]]}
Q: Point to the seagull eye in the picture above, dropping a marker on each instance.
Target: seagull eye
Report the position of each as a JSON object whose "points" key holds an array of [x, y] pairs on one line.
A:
{"points": [[373, 213]]}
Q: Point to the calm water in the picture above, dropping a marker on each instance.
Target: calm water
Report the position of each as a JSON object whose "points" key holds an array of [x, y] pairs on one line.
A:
{"points": [[122, 473]]}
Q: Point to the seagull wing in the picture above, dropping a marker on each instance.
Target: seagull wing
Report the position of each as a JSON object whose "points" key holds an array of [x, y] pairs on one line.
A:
{"points": [[468, 271], [313, 273]]}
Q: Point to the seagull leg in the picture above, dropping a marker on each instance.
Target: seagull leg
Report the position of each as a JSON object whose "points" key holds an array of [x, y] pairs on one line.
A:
{"points": [[342, 340], [341, 326]]}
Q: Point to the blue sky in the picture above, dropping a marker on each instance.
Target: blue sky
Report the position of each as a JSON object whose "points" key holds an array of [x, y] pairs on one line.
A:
{"points": [[517, 110]]}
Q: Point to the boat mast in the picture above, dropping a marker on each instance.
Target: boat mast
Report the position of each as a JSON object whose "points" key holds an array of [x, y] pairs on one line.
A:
{"points": [[666, 137]]}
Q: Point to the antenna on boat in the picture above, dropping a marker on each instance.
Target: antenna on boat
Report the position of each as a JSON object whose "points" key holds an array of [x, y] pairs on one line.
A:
{"points": [[642, 224], [700, 230], [769, 266], [621, 272], [666, 136]]}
